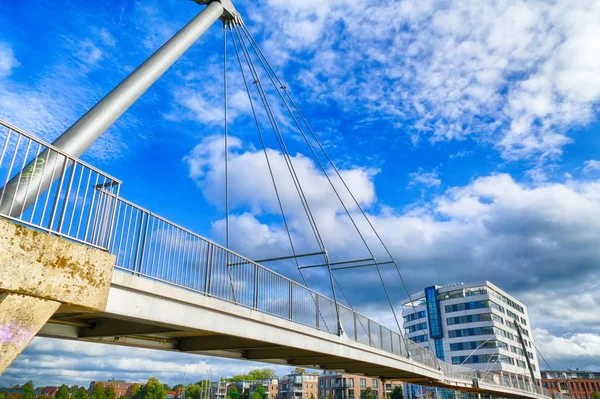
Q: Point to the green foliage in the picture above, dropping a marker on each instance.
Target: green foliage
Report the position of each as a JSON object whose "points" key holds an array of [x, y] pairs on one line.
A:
{"points": [[110, 392], [256, 374], [261, 391], [176, 387], [62, 393], [233, 393], [28, 391], [154, 389], [398, 393], [2, 395], [80, 394], [135, 388], [73, 390], [299, 370], [166, 387], [193, 391], [312, 396], [595, 395], [367, 394], [98, 392]]}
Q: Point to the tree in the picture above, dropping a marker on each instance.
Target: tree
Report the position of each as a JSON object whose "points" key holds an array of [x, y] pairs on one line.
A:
{"points": [[154, 389], [398, 393], [98, 392], [312, 396], [176, 387], [28, 391], [2, 395], [81, 393], [367, 394], [73, 390], [110, 392], [259, 393], [135, 388], [299, 370], [233, 393], [596, 395], [193, 391], [166, 387], [62, 393], [259, 374]]}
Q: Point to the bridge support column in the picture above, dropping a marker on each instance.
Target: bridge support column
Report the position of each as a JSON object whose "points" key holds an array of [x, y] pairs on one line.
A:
{"points": [[40, 273], [21, 317]]}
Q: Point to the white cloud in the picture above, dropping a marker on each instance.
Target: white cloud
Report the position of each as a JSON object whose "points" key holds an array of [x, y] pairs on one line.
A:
{"points": [[518, 73], [7, 60], [571, 349], [427, 179], [528, 239], [51, 361], [591, 165]]}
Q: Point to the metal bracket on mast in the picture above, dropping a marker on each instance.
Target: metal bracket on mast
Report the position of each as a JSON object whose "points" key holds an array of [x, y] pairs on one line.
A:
{"points": [[229, 11]]}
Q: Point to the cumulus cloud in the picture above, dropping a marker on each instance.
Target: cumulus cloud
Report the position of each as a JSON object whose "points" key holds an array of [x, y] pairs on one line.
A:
{"points": [[50, 361], [571, 349], [516, 73], [427, 179], [527, 238], [591, 165], [7, 60]]}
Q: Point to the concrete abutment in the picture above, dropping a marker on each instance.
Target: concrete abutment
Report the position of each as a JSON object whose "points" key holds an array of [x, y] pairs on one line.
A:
{"points": [[39, 273]]}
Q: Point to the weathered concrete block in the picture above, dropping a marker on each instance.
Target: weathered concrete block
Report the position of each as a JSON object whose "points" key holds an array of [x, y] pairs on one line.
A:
{"points": [[49, 267], [21, 317]]}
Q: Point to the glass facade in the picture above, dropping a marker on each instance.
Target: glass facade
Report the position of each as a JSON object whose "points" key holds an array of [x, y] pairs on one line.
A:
{"points": [[433, 313], [439, 349]]}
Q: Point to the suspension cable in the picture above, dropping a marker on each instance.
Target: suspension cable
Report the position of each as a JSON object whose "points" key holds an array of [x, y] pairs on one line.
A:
{"points": [[260, 134], [267, 66], [289, 162]]}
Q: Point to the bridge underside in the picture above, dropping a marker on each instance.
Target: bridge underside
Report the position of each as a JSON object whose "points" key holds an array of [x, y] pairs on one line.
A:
{"points": [[149, 314]]}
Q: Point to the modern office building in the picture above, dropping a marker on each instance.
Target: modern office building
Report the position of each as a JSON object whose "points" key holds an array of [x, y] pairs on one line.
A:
{"points": [[575, 383], [299, 386], [347, 386], [472, 325]]}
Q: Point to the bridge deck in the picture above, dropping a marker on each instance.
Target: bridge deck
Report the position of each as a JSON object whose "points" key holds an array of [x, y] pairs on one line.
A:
{"points": [[146, 313]]}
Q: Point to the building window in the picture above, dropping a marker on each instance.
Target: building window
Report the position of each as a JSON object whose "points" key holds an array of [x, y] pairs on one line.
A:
{"points": [[415, 316], [350, 382], [374, 384], [467, 306], [419, 338], [350, 393], [363, 383], [415, 328], [470, 319]]}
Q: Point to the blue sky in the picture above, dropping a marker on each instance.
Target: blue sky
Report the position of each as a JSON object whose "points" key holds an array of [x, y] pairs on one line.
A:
{"points": [[468, 131]]}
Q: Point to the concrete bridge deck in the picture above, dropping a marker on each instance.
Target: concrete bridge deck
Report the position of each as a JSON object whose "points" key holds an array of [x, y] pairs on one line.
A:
{"points": [[144, 313]]}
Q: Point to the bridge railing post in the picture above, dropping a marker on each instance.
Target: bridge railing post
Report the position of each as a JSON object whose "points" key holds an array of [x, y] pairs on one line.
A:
{"points": [[291, 301], [317, 311], [141, 241], [207, 275], [255, 287]]}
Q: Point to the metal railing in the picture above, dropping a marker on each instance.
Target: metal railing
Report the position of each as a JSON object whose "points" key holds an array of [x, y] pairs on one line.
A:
{"points": [[83, 204], [71, 206], [151, 246]]}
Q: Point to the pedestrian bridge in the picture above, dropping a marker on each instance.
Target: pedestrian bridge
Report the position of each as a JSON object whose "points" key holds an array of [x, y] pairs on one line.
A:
{"points": [[172, 289]]}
